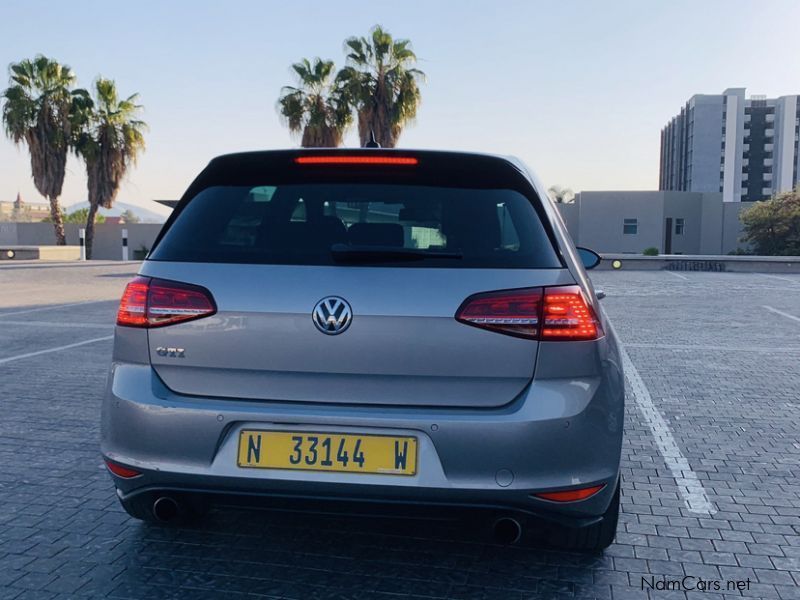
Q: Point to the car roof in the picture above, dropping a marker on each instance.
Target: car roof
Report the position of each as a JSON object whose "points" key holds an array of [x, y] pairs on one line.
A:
{"points": [[418, 152], [434, 168]]}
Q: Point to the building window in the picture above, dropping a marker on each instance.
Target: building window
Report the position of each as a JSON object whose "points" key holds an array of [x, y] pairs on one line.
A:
{"points": [[679, 226], [630, 226]]}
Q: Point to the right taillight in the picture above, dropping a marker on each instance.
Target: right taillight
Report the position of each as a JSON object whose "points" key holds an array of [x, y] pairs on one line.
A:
{"points": [[548, 314], [150, 303], [567, 315]]}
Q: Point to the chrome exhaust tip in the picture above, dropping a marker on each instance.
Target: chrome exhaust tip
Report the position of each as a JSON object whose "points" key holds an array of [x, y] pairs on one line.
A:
{"points": [[507, 530], [166, 509]]}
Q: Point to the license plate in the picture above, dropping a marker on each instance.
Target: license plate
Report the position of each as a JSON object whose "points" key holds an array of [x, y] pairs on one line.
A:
{"points": [[320, 451]]}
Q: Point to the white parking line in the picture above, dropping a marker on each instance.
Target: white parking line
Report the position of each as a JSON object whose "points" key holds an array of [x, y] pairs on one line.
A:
{"points": [[689, 486], [782, 278], [678, 275], [691, 490], [52, 307], [9, 359], [59, 324], [707, 348], [781, 313]]}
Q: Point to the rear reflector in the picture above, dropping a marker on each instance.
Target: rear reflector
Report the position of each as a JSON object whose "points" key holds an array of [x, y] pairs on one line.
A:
{"points": [[548, 314], [150, 302], [121, 471], [571, 495], [356, 160]]}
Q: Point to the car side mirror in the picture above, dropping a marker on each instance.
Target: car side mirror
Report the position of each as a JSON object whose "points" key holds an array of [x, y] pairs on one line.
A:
{"points": [[589, 258]]}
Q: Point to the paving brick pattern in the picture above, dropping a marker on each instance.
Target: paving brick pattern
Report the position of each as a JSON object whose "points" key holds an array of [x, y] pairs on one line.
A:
{"points": [[722, 370]]}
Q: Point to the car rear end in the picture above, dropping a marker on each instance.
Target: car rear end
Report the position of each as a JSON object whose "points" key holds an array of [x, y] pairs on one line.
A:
{"points": [[367, 325]]}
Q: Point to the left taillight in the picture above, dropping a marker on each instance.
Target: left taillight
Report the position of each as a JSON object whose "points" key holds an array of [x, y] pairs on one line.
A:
{"points": [[149, 302], [546, 314]]}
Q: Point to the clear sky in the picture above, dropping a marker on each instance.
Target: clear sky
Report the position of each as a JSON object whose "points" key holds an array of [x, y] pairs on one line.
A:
{"points": [[579, 90]]}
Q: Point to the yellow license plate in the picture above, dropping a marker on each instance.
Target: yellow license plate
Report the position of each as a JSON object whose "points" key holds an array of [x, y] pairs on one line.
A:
{"points": [[320, 451]]}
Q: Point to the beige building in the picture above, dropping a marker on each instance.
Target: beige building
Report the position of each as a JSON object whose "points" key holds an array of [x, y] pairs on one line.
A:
{"points": [[21, 211], [673, 222]]}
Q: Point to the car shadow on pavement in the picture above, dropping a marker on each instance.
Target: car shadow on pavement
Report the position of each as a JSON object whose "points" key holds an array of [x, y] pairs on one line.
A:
{"points": [[285, 554]]}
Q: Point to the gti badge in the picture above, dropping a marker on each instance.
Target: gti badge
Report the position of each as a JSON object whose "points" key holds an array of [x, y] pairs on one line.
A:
{"points": [[171, 352], [332, 315]]}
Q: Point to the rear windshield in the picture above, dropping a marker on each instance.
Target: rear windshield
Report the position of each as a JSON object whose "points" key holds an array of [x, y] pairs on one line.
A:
{"points": [[334, 224]]}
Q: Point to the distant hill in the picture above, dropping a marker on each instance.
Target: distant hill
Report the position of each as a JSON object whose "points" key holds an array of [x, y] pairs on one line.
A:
{"points": [[154, 213]]}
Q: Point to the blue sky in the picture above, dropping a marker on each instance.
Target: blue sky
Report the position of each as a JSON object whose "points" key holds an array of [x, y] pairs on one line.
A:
{"points": [[579, 90]]}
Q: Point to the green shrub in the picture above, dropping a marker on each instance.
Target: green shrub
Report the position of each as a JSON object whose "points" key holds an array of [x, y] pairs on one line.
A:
{"points": [[772, 227], [651, 251]]}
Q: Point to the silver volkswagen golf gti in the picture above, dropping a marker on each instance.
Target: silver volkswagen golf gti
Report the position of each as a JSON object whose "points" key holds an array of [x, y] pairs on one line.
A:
{"points": [[410, 328]]}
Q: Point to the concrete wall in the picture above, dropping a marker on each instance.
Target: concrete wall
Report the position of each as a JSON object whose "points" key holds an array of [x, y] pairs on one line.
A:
{"points": [[711, 226], [732, 228], [107, 237], [569, 213], [738, 264], [601, 216], [689, 207], [35, 234], [710, 220], [594, 220]]}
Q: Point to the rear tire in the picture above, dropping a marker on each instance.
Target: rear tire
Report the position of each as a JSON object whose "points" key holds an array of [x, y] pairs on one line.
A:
{"points": [[192, 509], [594, 538]]}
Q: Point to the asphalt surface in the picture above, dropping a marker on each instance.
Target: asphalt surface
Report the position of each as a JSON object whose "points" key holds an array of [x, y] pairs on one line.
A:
{"points": [[711, 467]]}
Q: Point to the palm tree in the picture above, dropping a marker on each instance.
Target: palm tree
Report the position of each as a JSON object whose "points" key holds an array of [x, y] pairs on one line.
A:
{"points": [[561, 195], [109, 138], [37, 109], [317, 107], [382, 85]]}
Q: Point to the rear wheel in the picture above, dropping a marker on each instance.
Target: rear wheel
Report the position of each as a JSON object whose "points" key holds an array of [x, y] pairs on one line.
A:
{"points": [[594, 538], [183, 509]]}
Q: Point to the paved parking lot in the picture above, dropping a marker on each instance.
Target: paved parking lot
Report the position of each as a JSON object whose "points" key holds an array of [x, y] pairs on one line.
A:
{"points": [[711, 467]]}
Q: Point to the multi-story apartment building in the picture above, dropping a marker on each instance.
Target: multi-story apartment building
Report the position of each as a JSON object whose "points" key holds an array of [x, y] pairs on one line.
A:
{"points": [[746, 148]]}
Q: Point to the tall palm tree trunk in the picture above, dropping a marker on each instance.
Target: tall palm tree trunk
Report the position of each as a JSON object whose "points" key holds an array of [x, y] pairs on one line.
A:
{"points": [[90, 229], [58, 222]]}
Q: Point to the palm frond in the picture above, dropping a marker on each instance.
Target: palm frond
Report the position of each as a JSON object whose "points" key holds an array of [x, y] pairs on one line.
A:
{"points": [[382, 84], [318, 108]]}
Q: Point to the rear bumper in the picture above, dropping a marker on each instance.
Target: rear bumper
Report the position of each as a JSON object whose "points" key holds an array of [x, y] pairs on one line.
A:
{"points": [[558, 434], [370, 500]]}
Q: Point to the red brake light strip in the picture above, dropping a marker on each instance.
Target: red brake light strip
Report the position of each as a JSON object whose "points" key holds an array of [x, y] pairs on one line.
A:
{"points": [[356, 160]]}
